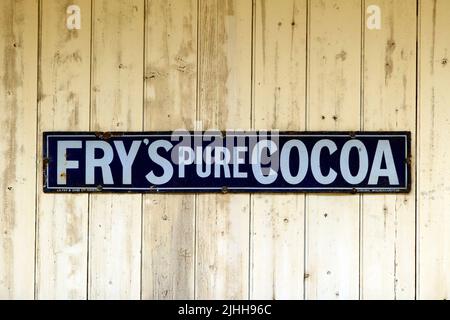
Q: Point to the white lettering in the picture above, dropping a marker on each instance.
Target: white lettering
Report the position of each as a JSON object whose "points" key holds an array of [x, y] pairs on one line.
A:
{"points": [[363, 161], [383, 150], [220, 161], [127, 159], [237, 160], [62, 163], [103, 162], [284, 162], [185, 156], [315, 161], [163, 163], [256, 161]]}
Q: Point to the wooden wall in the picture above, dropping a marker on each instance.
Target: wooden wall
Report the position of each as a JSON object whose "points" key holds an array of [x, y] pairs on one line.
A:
{"points": [[227, 64]]}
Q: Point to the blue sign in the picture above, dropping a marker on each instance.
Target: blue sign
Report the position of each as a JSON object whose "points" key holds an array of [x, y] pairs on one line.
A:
{"points": [[214, 161]]}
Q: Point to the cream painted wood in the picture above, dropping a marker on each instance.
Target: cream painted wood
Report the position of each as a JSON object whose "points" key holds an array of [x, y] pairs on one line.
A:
{"points": [[388, 221], [277, 229], [433, 153], [222, 62], [171, 96], [18, 95], [332, 221], [222, 220], [117, 104], [64, 76]]}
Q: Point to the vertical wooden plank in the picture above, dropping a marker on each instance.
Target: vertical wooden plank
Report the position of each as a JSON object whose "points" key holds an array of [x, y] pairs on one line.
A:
{"points": [[61, 266], [388, 222], [117, 100], [170, 91], [279, 78], [222, 230], [18, 39], [332, 257], [433, 127]]}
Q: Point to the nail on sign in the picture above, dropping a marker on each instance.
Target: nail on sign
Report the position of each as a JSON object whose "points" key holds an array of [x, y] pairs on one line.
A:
{"points": [[232, 161]]}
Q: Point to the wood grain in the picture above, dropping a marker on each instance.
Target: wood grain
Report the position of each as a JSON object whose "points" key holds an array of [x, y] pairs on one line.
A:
{"points": [[171, 97], [117, 104], [388, 221], [234, 64], [222, 222], [18, 95], [277, 257], [332, 230], [61, 254], [433, 125]]}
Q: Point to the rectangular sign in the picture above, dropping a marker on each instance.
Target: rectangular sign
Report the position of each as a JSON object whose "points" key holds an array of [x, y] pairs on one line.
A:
{"points": [[232, 161]]}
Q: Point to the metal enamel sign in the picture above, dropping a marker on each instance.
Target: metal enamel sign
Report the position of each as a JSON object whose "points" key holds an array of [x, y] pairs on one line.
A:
{"points": [[214, 161]]}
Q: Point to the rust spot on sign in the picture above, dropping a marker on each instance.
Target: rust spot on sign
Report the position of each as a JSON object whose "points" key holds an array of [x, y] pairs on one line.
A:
{"points": [[105, 135]]}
